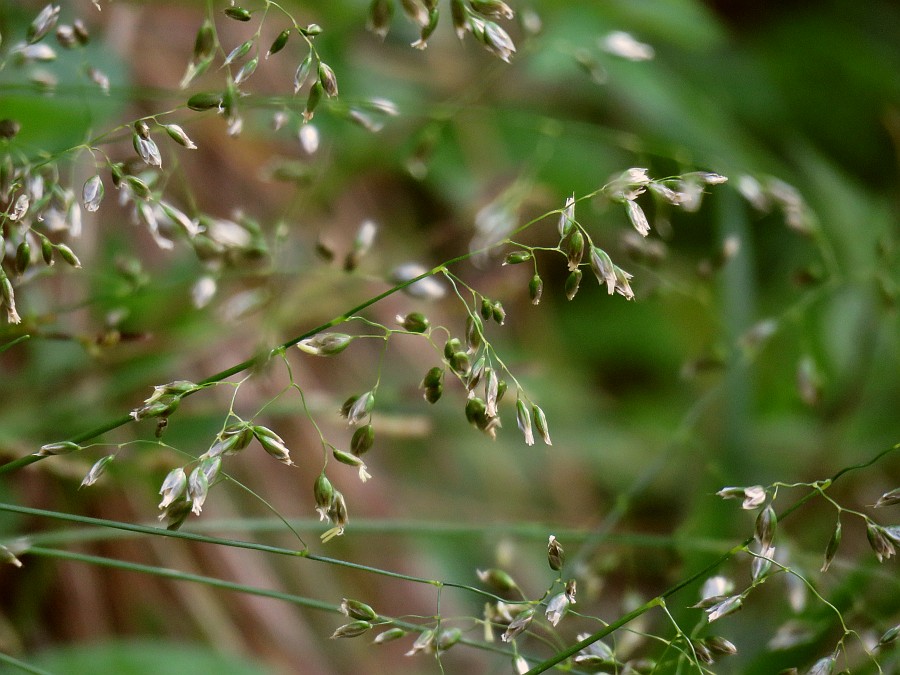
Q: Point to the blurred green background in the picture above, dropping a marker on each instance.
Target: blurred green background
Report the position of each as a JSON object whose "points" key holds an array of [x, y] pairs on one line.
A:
{"points": [[653, 405]]}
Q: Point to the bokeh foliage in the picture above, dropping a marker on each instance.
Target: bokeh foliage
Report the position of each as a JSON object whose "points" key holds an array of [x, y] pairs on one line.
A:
{"points": [[653, 405]]}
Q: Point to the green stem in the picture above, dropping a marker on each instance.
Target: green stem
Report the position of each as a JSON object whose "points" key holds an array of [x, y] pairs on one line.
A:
{"points": [[226, 585], [364, 527], [237, 543], [180, 576], [21, 665], [13, 343]]}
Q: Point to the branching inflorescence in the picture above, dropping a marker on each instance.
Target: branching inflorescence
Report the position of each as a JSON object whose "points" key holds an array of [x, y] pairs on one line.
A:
{"points": [[39, 214]]}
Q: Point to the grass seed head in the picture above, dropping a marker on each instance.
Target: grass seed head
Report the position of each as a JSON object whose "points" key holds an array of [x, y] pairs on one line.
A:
{"points": [[540, 421], [447, 638], [519, 624], [879, 541], [352, 629], [273, 444], [328, 80], [97, 470], [378, 20], [43, 23], [423, 643], [238, 13], [888, 498], [766, 524], [355, 609], [832, 548], [363, 439], [198, 489], [173, 487], [414, 322], [389, 635], [556, 608], [61, 448], [279, 43], [535, 289], [323, 492], [555, 554], [573, 282], [92, 193], [498, 579]]}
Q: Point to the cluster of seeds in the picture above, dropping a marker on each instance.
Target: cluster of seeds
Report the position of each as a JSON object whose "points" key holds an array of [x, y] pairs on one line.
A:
{"points": [[36, 50], [477, 17], [719, 600]]}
